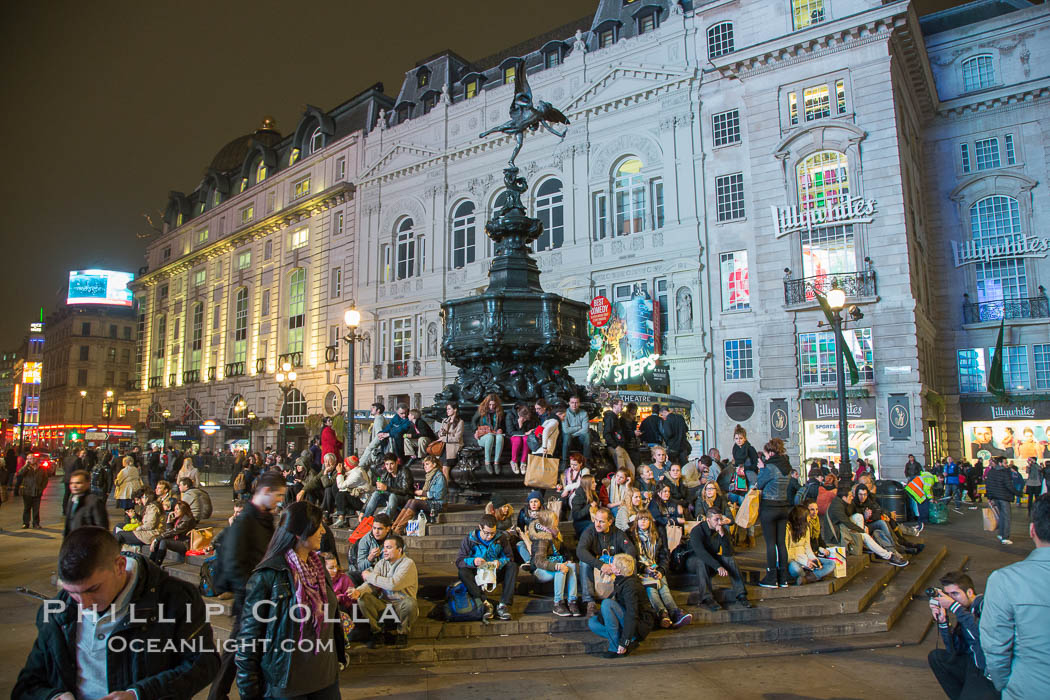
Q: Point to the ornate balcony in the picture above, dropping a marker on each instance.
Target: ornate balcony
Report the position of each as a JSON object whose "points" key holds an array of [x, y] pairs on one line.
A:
{"points": [[191, 376], [1030, 307], [211, 374], [155, 382], [295, 359], [854, 284], [172, 379], [331, 353], [260, 365], [234, 369]]}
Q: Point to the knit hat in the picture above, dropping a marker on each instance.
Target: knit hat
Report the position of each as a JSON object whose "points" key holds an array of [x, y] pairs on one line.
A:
{"points": [[498, 501], [537, 495], [352, 461]]}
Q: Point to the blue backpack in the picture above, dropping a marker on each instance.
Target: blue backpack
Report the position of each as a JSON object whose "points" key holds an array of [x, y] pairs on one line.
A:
{"points": [[460, 606], [208, 586]]}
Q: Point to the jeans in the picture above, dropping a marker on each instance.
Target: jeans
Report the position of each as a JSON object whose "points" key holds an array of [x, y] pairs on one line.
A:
{"points": [[584, 440], [827, 567], [510, 578], [661, 598], [958, 676], [774, 531], [1002, 512], [1033, 493], [492, 444], [128, 537], [703, 576], [881, 532], [923, 511], [373, 607], [564, 584], [163, 546], [379, 498], [345, 504], [952, 492], [31, 506], [586, 572], [519, 450], [862, 539], [609, 624]]}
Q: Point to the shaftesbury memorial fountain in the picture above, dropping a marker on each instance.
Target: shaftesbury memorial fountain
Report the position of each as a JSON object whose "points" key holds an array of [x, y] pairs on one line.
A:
{"points": [[514, 340]]}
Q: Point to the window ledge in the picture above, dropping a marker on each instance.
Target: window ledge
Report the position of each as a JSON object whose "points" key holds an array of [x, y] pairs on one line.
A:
{"points": [[1010, 321], [728, 145], [742, 219]]}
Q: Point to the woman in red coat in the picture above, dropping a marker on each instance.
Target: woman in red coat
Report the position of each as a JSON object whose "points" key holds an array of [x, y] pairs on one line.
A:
{"points": [[330, 443]]}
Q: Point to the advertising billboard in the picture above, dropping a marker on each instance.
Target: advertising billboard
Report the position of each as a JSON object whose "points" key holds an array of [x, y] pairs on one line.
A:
{"points": [[106, 287], [625, 348]]}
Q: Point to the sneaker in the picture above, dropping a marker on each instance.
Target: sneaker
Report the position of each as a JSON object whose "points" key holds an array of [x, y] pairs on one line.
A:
{"points": [[681, 618], [782, 579], [665, 620], [897, 560], [502, 612], [998, 537], [26, 527], [592, 608], [561, 609], [574, 608], [710, 605], [973, 507], [919, 529], [769, 580], [1008, 541], [487, 615], [525, 568], [957, 511], [743, 602], [401, 641], [612, 655], [513, 467]]}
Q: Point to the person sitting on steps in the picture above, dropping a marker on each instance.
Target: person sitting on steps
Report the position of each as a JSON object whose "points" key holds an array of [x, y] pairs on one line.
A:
{"points": [[627, 617], [520, 422], [394, 582], [803, 564], [489, 431], [595, 550], [429, 499], [487, 547], [845, 530], [712, 552], [549, 563], [653, 564]]}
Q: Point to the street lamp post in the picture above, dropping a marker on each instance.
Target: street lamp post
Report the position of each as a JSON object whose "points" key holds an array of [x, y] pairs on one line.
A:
{"points": [[286, 382], [251, 423], [837, 300], [109, 412], [165, 414], [83, 397], [352, 317]]}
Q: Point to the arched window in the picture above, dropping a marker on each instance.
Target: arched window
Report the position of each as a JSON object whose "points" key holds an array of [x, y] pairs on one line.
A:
{"points": [[823, 182], [240, 326], [629, 197], [551, 212], [996, 220], [316, 140], [196, 336], [807, 12], [978, 73], [260, 171], [422, 77], [406, 250], [296, 309], [464, 235], [294, 409], [236, 416], [720, 39]]}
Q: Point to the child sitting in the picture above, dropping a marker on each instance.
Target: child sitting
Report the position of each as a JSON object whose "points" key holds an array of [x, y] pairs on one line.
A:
{"points": [[341, 583]]}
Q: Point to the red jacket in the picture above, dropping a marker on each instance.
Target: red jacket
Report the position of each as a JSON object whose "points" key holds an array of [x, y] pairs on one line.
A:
{"points": [[331, 444]]}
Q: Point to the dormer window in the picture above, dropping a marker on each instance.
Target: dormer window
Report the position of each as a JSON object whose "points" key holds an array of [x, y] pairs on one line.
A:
{"points": [[316, 140], [552, 58], [422, 78], [509, 73], [429, 100], [403, 113], [293, 156], [606, 37], [216, 198], [472, 88], [178, 219], [648, 22], [260, 171]]}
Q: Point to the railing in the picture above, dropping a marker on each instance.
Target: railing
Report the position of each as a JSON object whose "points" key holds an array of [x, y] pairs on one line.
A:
{"points": [[191, 376], [331, 353], [234, 369], [295, 359], [133, 385], [155, 382], [260, 365], [172, 378], [854, 284], [397, 369], [212, 374], [1031, 307]]}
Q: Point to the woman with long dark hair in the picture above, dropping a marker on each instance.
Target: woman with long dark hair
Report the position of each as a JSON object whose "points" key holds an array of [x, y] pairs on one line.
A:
{"points": [[451, 433], [298, 661], [778, 489], [488, 431], [805, 565]]}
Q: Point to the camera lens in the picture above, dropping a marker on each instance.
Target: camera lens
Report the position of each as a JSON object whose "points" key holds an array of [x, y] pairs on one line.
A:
{"points": [[931, 592]]}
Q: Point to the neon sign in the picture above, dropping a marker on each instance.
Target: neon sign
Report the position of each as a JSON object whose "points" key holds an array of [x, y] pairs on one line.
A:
{"points": [[606, 367]]}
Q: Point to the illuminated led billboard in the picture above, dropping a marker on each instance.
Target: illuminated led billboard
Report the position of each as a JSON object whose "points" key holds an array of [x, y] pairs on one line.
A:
{"points": [[105, 287]]}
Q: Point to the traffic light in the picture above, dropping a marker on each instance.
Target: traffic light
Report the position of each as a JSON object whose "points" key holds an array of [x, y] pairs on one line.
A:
{"points": [[73, 436]]}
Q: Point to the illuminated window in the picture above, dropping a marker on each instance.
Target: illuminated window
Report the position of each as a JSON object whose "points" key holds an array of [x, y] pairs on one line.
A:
{"points": [[736, 287], [401, 347], [720, 39], [336, 285], [293, 157], [300, 237], [216, 198], [240, 326], [793, 108], [196, 336], [316, 140], [817, 356], [996, 221], [199, 277], [302, 188], [260, 172], [818, 102], [971, 370], [823, 182], [1015, 366], [464, 235], [508, 74], [202, 236], [178, 219], [296, 309], [406, 250], [337, 223], [340, 169], [244, 184], [472, 88], [422, 78], [551, 212], [247, 214], [244, 260], [629, 197], [807, 12], [978, 73]]}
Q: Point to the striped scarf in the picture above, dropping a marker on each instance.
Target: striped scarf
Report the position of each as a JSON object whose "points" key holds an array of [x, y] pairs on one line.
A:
{"points": [[311, 590]]}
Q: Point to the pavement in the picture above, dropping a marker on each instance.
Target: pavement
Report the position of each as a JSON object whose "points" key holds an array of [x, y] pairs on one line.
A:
{"points": [[27, 563]]}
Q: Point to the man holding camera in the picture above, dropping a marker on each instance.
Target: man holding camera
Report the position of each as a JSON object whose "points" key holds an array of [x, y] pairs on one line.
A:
{"points": [[959, 667]]}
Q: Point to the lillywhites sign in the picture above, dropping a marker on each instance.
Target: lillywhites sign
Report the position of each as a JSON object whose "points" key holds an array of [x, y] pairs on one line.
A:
{"points": [[620, 373], [831, 410], [856, 210], [972, 252], [1012, 412]]}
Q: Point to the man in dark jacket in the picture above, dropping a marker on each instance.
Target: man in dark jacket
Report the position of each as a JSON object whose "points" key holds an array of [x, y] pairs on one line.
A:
{"points": [[911, 468], [628, 616], [394, 487], [675, 434], [85, 508], [86, 634], [242, 548], [31, 482], [102, 481], [712, 552], [614, 435], [598, 544], [843, 529], [154, 468], [959, 667], [487, 546], [1000, 490], [650, 428]]}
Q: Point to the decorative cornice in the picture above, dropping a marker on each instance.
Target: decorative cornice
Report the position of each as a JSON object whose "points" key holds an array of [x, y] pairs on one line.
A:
{"points": [[996, 99]]}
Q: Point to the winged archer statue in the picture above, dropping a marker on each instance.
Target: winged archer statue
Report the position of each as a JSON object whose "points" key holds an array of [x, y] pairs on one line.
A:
{"points": [[525, 116]]}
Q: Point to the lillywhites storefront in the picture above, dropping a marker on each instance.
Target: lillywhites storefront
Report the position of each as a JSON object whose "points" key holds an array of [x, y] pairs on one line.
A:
{"points": [[820, 430], [1016, 431]]}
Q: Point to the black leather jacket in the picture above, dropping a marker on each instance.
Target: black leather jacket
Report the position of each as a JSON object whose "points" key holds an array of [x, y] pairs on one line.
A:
{"points": [[51, 668], [400, 484], [260, 669]]}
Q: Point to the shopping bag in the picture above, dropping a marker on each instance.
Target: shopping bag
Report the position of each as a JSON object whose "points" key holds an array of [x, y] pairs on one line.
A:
{"points": [[554, 505], [674, 537], [689, 525], [416, 527], [838, 555], [485, 577], [991, 519], [747, 515], [201, 538], [541, 472], [603, 585]]}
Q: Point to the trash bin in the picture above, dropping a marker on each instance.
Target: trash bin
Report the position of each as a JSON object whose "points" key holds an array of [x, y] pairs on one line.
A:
{"points": [[891, 496]]}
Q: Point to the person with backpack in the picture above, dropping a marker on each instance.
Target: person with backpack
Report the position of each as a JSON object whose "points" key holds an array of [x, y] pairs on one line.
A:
{"points": [[102, 481], [811, 489], [243, 545], [242, 483], [487, 547], [778, 495], [196, 498]]}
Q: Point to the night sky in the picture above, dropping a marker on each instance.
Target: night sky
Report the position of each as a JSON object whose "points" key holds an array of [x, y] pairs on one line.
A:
{"points": [[108, 106]]}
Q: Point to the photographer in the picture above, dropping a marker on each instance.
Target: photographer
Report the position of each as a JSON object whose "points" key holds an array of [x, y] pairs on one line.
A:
{"points": [[959, 667]]}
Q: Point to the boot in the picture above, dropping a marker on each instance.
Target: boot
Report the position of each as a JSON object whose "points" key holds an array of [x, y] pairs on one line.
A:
{"points": [[782, 578], [496, 469], [488, 468], [401, 521]]}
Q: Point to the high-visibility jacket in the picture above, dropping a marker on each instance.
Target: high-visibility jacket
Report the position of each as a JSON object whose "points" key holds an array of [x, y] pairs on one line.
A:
{"points": [[921, 487]]}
